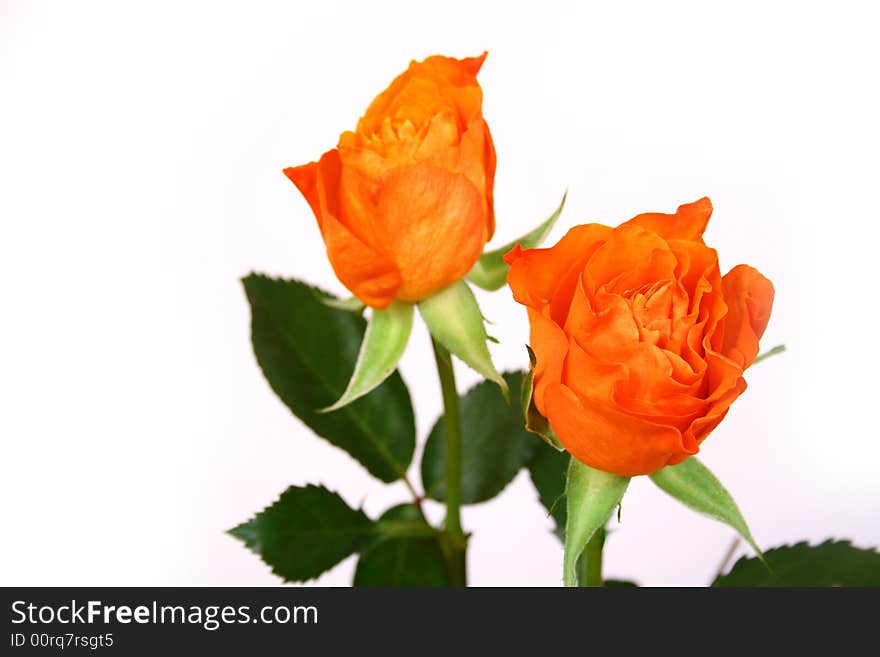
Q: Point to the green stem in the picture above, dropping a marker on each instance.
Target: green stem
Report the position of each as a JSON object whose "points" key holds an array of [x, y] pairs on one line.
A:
{"points": [[591, 561], [452, 429]]}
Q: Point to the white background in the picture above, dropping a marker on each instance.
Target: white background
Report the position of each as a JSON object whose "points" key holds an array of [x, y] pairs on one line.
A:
{"points": [[141, 148]]}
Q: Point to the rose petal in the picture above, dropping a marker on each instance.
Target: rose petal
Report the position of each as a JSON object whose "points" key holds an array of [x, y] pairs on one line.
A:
{"points": [[749, 298], [608, 439], [703, 426], [535, 274], [688, 223], [631, 257], [434, 222], [445, 74], [550, 345], [369, 274], [475, 158]]}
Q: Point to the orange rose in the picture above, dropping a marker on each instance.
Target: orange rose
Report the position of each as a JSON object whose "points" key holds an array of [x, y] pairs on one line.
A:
{"points": [[640, 342], [404, 203]]}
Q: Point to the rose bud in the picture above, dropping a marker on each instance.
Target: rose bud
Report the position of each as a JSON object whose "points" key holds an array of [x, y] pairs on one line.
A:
{"points": [[404, 203]]}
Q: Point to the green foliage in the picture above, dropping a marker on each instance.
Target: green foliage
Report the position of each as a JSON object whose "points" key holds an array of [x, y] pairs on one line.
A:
{"points": [[382, 348], [535, 422], [307, 351], [833, 563], [351, 304], [495, 445], [548, 469], [405, 552], [591, 496], [305, 532], [490, 271], [454, 319], [778, 349], [694, 485]]}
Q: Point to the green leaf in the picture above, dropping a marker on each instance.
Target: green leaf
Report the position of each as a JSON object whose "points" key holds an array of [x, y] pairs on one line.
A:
{"points": [[494, 443], [307, 531], [352, 304], [384, 343], [833, 563], [619, 584], [307, 352], [591, 496], [455, 321], [406, 552], [694, 485], [535, 422], [548, 470], [490, 271], [778, 349]]}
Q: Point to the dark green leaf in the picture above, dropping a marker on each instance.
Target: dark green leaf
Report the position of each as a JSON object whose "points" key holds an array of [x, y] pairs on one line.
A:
{"points": [[307, 351], [619, 584], [495, 444], [405, 552], [307, 531], [548, 469], [833, 563]]}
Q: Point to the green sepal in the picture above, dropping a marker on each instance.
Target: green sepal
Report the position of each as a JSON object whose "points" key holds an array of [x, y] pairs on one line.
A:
{"points": [[384, 342], [490, 271], [454, 319], [352, 304], [778, 349], [591, 496], [535, 422], [694, 485]]}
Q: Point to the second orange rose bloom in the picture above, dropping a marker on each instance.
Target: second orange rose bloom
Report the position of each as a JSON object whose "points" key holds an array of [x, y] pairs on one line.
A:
{"points": [[404, 203], [640, 342]]}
